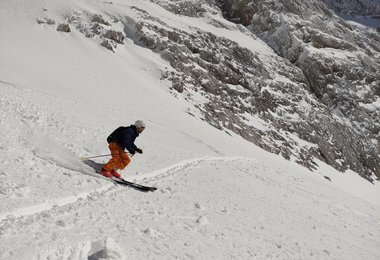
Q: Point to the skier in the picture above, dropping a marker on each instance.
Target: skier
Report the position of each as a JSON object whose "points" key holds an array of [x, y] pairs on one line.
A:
{"points": [[120, 139]]}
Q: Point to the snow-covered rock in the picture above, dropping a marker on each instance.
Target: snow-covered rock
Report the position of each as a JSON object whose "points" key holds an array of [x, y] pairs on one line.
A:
{"points": [[355, 7], [330, 70], [106, 249]]}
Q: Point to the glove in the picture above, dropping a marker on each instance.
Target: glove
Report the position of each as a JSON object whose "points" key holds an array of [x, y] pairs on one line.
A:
{"points": [[138, 150]]}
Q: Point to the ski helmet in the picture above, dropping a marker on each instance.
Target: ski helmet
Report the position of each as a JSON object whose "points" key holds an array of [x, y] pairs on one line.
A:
{"points": [[140, 124]]}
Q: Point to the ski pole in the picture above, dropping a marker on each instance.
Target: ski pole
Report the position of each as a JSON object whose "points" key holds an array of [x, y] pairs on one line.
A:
{"points": [[97, 156]]}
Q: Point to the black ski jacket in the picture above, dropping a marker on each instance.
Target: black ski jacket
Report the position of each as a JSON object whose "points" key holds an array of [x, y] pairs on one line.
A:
{"points": [[125, 137]]}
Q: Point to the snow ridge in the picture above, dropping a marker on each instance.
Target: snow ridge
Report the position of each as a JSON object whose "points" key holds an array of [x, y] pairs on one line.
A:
{"points": [[148, 177]]}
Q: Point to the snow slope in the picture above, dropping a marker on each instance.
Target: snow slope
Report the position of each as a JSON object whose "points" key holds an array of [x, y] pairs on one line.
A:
{"points": [[219, 196]]}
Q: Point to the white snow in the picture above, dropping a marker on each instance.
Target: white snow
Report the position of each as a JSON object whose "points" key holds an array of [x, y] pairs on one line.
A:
{"points": [[218, 197], [371, 106], [255, 121]]}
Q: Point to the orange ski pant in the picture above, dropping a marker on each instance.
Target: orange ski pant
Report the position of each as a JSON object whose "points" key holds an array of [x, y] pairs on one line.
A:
{"points": [[119, 160]]}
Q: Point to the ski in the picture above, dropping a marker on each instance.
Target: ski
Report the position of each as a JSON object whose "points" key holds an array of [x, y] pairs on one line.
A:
{"points": [[97, 167], [134, 185]]}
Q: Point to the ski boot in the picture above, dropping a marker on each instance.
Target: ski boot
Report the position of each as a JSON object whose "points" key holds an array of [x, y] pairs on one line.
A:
{"points": [[115, 174], [106, 173]]}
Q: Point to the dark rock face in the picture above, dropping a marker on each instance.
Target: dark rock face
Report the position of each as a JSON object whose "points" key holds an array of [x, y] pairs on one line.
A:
{"points": [[64, 27], [100, 20], [341, 67], [117, 37], [314, 95], [238, 11], [355, 7]]}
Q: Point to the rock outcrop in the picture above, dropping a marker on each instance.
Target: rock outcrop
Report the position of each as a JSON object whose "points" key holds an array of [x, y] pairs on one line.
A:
{"points": [[64, 27]]}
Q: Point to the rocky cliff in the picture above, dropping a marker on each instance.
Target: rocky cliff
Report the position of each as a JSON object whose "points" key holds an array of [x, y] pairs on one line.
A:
{"points": [[329, 95], [332, 97]]}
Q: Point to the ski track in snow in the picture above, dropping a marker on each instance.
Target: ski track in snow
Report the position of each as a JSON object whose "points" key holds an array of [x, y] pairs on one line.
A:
{"points": [[265, 213], [149, 177]]}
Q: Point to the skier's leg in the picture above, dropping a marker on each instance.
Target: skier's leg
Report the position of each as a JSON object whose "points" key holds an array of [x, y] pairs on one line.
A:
{"points": [[115, 162], [124, 159]]}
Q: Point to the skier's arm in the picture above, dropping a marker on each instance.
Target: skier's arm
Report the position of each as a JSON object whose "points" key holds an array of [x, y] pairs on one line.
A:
{"points": [[129, 145], [128, 142], [132, 148]]}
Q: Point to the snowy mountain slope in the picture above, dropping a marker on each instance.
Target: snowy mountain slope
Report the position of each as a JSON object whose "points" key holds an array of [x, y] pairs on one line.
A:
{"points": [[219, 196], [232, 79]]}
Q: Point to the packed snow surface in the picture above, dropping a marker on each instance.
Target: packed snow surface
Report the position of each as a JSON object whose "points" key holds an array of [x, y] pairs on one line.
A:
{"points": [[218, 197]]}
